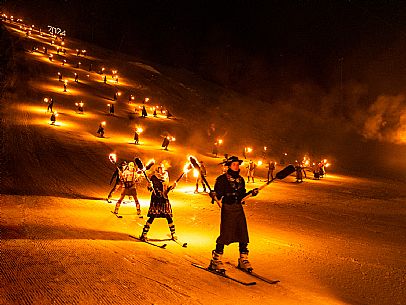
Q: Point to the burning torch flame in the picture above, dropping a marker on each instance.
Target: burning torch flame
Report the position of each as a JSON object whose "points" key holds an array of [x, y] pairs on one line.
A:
{"points": [[103, 123], [187, 167], [195, 173], [139, 129], [46, 100], [259, 162], [113, 157]]}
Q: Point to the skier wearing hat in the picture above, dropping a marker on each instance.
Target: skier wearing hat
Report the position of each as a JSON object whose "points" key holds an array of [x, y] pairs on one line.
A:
{"points": [[230, 189], [128, 178], [160, 207]]}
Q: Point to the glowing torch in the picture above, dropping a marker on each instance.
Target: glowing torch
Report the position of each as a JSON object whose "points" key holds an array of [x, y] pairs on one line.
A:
{"points": [[139, 130]]}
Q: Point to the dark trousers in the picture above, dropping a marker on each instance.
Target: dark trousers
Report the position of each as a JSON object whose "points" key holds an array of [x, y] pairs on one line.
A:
{"points": [[243, 248]]}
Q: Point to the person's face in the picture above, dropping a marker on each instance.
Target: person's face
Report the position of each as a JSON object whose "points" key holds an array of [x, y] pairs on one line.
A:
{"points": [[235, 166]]}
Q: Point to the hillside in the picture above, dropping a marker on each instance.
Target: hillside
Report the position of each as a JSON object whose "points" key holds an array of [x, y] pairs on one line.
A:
{"points": [[339, 240]]}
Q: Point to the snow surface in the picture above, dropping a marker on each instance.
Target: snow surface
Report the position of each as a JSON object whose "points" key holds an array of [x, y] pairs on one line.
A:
{"points": [[340, 240]]}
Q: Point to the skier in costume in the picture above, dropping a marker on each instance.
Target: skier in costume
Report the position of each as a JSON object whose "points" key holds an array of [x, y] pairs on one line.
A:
{"points": [[230, 189], [271, 169], [116, 178], [203, 172], [128, 178], [160, 207], [251, 171]]}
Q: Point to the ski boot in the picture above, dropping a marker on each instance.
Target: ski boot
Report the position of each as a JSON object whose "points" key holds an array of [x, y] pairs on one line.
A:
{"points": [[172, 229], [243, 263], [145, 230], [216, 264], [138, 211], [116, 209]]}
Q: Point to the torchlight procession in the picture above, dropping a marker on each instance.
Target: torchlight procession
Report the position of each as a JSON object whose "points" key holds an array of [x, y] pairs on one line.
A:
{"points": [[219, 172]]}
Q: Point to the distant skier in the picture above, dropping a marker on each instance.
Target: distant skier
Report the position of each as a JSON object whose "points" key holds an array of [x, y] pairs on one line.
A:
{"points": [[165, 143], [111, 109], [115, 96], [60, 76], [116, 178], [53, 118], [251, 171], [160, 207], [100, 131], [76, 77], [155, 115], [230, 189], [136, 137], [215, 150], [65, 87], [105, 79], [80, 108], [199, 179], [299, 172], [168, 114], [90, 67], [128, 178], [271, 169], [50, 105], [144, 113]]}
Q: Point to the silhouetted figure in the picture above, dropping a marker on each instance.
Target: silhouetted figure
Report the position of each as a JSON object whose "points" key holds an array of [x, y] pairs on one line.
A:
{"points": [[155, 115], [105, 79], [59, 76], [271, 169], [251, 171], [76, 77], [53, 118], [144, 113], [165, 143], [100, 131], [199, 179], [136, 137], [50, 105], [111, 109]]}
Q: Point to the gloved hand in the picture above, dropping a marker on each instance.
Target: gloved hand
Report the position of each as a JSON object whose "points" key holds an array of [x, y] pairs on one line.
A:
{"points": [[212, 194], [255, 192]]}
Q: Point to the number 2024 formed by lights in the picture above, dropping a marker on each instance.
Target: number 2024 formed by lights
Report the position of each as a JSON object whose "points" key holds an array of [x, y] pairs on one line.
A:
{"points": [[56, 31]]}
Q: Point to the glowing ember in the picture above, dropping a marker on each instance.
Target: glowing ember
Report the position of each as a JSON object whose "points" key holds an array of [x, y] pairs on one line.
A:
{"points": [[259, 162], [139, 129]]}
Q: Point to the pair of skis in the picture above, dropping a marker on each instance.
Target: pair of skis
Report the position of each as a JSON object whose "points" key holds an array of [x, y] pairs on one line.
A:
{"points": [[120, 216], [163, 246], [253, 274]]}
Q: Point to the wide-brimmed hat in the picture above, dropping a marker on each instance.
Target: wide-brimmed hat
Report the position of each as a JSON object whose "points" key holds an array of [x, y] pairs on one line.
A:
{"points": [[231, 160]]}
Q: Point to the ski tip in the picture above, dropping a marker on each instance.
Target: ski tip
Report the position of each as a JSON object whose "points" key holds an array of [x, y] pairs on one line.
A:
{"points": [[184, 245], [163, 246]]}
